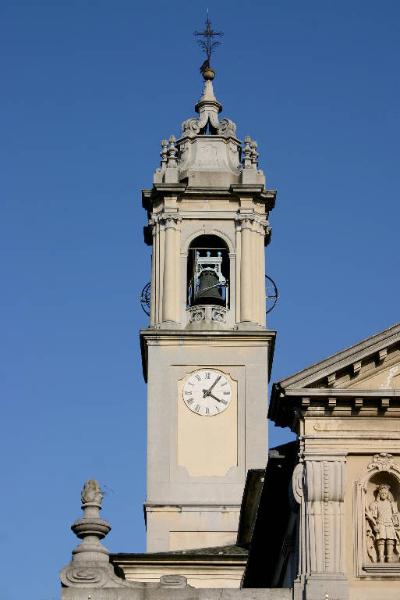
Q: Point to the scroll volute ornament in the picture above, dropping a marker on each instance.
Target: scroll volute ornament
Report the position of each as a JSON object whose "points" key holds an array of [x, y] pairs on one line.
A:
{"points": [[324, 481], [298, 482]]}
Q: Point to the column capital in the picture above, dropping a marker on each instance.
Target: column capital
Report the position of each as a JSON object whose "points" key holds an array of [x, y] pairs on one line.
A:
{"points": [[168, 219], [253, 222]]}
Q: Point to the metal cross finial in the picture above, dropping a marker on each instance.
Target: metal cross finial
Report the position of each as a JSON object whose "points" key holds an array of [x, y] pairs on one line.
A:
{"points": [[208, 43]]}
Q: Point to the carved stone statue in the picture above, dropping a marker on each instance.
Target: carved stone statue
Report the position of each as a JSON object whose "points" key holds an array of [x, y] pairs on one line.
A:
{"points": [[91, 492], [383, 526]]}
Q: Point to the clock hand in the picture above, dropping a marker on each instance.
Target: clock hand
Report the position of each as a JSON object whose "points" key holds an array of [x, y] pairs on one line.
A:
{"points": [[208, 392], [215, 398]]}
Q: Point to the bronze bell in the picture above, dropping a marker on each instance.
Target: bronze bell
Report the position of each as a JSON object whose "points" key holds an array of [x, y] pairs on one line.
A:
{"points": [[209, 290]]}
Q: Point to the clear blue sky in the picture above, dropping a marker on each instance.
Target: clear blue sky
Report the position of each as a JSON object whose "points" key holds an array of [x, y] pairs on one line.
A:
{"points": [[88, 89]]}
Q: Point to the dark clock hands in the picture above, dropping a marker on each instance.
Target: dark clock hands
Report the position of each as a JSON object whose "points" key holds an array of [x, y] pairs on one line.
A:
{"points": [[215, 398], [208, 392]]}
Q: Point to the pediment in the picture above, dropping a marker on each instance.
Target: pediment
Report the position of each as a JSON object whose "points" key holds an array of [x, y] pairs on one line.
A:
{"points": [[361, 380], [379, 378], [372, 364]]}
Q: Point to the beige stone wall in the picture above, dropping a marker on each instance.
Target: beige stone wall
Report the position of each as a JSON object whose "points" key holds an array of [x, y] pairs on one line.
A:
{"points": [[357, 440], [207, 447], [196, 466]]}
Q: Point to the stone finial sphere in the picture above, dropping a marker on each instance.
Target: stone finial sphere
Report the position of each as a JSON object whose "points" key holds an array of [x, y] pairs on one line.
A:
{"points": [[208, 74]]}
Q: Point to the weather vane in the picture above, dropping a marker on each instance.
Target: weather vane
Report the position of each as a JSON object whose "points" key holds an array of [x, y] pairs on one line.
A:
{"points": [[208, 43]]}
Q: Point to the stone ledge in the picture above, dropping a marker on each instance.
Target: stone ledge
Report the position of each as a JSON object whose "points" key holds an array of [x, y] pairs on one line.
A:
{"points": [[166, 592], [382, 569]]}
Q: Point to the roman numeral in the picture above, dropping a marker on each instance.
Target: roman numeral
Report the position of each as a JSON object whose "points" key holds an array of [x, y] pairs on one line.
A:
{"points": [[197, 408]]}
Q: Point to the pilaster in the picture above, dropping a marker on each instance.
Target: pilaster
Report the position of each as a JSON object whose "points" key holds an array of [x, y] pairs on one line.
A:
{"points": [[252, 231], [170, 298], [319, 488]]}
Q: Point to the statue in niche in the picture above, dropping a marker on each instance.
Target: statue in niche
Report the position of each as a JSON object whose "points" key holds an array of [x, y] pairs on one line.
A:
{"points": [[383, 527]]}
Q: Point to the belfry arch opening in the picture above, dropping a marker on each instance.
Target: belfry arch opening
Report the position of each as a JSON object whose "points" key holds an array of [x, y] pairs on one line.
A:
{"points": [[208, 271]]}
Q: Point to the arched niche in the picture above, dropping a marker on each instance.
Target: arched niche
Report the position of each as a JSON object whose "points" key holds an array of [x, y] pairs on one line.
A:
{"points": [[377, 506], [207, 230], [208, 270]]}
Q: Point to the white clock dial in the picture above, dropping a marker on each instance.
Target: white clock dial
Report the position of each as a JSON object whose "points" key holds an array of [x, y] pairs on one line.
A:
{"points": [[207, 392]]}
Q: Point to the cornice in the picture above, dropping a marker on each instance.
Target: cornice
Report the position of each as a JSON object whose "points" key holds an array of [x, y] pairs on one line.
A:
{"points": [[186, 336], [167, 337], [289, 406], [161, 190]]}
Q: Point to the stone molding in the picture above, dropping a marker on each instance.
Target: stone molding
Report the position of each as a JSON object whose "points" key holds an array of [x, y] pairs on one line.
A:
{"points": [[162, 191], [207, 229], [289, 406]]}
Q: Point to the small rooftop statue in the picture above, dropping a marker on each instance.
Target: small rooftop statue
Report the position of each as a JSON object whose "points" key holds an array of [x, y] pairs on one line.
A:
{"points": [[91, 492]]}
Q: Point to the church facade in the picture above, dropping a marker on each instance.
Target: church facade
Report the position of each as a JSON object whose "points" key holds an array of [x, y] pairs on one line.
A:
{"points": [[321, 520]]}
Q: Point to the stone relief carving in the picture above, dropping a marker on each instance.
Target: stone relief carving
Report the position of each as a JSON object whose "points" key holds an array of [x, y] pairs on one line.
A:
{"points": [[227, 128], [382, 462], [207, 313], [218, 314], [378, 520], [197, 314]]}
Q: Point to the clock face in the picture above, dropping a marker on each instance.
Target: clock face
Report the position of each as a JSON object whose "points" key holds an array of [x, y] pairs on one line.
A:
{"points": [[207, 392]]}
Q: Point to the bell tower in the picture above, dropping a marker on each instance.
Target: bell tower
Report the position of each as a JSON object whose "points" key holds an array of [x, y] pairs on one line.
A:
{"points": [[207, 351]]}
